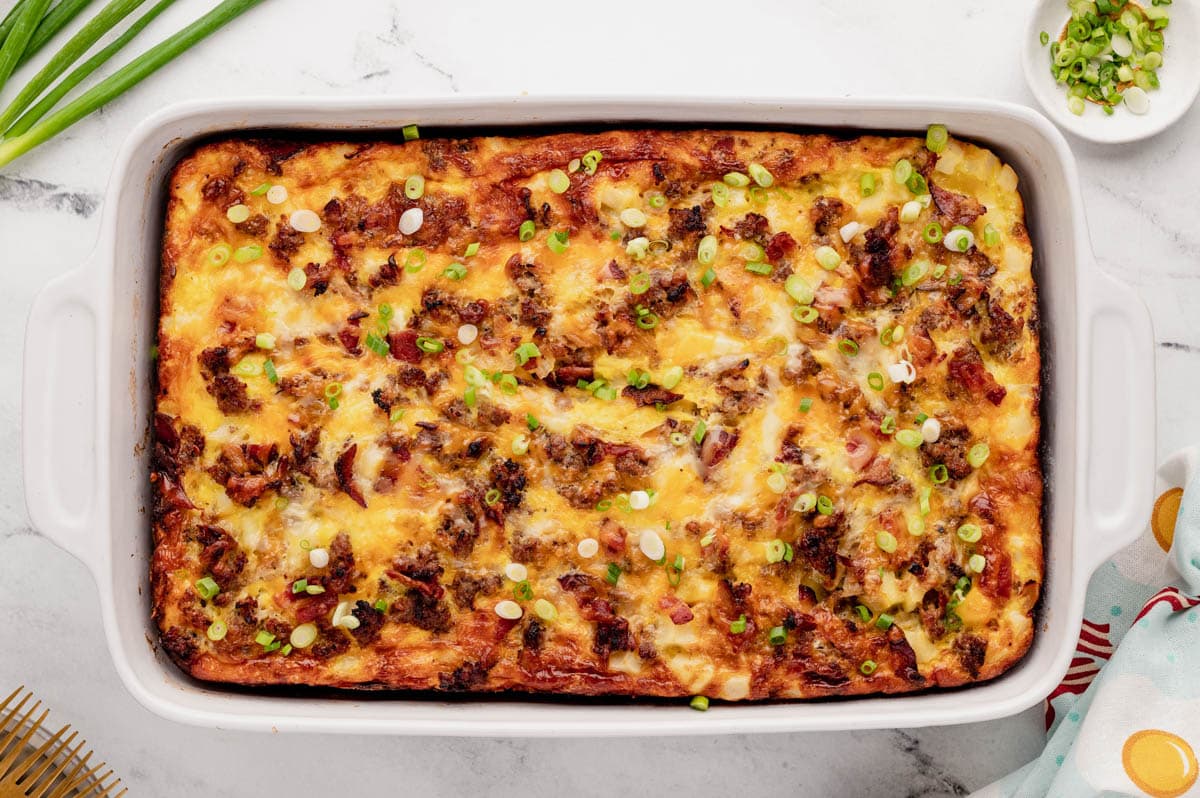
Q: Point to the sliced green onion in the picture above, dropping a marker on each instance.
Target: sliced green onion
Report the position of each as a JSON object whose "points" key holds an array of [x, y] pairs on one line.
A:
{"points": [[241, 254], [508, 384], [938, 271], [114, 85], [777, 636], [633, 217], [888, 425], [558, 241], [799, 289], [414, 187], [736, 179], [868, 667], [639, 283], [909, 438], [775, 550], [751, 251], [884, 621], [875, 380], [333, 390], [526, 352], [936, 136], [410, 132], [523, 591], [699, 431], [760, 175], [237, 213], [848, 347], [545, 610], [520, 444], [206, 587], [531, 422], [414, 261], [914, 272], [864, 614], [590, 160], [806, 404], [777, 483], [886, 541], [910, 211], [916, 183], [637, 247], [260, 189], [558, 181], [526, 231], [219, 255], [613, 574], [381, 605], [916, 526], [299, 585], [932, 233], [706, 251], [827, 257], [671, 377], [902, 171], [699, 703], [759, 268], [386, 312], [805, 314], [264, 638], [678, 439], [739, 626], [269, 370], [824, 505], [264, 341], [247, 367], [866, 184], [217, 631], [969, 533], [647, 321], [938, 474], [491, 497], [925, 493], [977, 563], [655, 200], [430, 346], [805, 502], [1075, 106], [470, 396], [720, 194], [978, 454]]}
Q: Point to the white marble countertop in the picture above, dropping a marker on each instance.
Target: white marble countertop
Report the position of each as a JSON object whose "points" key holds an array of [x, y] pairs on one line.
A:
{"points": [[1140, 204]]}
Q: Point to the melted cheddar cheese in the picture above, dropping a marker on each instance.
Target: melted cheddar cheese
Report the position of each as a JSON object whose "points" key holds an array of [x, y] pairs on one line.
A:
{"points": [[635, 412]]}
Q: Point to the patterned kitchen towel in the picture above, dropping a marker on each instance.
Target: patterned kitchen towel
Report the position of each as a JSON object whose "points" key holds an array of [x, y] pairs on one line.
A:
{"points": [[1126, 718]]}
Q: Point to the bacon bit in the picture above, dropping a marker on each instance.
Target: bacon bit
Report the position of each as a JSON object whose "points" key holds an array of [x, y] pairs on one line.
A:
{"points": [[403, 346], [860, 449], [677, 609], [967, 370], [879, 473], [348, 336], [780, 244], [616, 271], [344, 468], [612, 535], [716, 447], [651, 395], [921, 347], [959, 209], [318, 606]]}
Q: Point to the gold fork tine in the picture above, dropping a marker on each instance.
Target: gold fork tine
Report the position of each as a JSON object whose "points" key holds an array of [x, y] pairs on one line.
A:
{"points": [[90, 778], [22, 772], [64, 783], [11, 696], [93, 787], [9, 736], [7, 762]]}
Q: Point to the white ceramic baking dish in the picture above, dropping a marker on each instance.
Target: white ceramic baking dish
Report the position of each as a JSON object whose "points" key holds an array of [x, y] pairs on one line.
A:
{"points": [[87, 403]]}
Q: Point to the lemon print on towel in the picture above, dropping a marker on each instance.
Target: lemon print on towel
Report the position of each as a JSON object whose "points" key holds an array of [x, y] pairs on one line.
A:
{"points": [[1160, 763], [1162, 518]]}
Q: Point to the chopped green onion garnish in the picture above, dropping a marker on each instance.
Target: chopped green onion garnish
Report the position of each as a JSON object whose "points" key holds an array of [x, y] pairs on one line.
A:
{"points": [[410, 132], [884, 621], [902, 171], [241, 254], [866, 184], [932, 233], [708, 277], [806, 404], [523, 591], [647, 321], [775, 548], [508, 384], [868, 667], [414, 261], [991, 236], [491, 497], [886, 541], [969, 533], [469, 396], [936, 137], [613, 573], [699, 703], [828, 257], [260, 189], [217, 630], [671, 377], [824, 505], [864, 614], [558, 180], [759, 268], [706, 251], [805, 502], [545, 610], [777, 636], [269, 370], [520, 444], [603, 506], [888, 425], [699, 431], [678, 438], [526, 352], [736, 179], [219, 255], [799, 289], [590, 160], [875, 380], [299, 585], [558, 241], [760, 175], [264, 638], [206, 587], [430, 345], [1044, 38], [805, 314], [531, 422], [916, 183], [639, 283], [910, 438], [848, 347], [739, 626], [414, 187], [977, 563], [264, 341], [938, 474], [526, 230], [978, 454], [925, 493], [720, 194]]}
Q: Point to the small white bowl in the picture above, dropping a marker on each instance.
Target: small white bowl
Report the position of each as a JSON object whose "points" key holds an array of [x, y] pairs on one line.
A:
{"points": [[1179, 76]]}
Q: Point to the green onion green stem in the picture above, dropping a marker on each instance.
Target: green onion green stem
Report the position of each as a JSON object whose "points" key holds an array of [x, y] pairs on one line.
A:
{"points": [[18, 37], [125, 78], [69, 53], [55, 20]]}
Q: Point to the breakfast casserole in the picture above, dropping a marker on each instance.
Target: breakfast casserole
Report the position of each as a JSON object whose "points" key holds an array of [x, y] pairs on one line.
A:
{"points": [[732, 415]]}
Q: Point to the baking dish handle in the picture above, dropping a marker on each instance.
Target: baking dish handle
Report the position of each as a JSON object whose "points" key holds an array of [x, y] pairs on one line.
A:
{"points": [[59, 412], [1119, 341]]}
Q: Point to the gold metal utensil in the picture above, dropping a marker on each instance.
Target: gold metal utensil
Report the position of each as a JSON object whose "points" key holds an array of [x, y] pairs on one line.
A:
{"points": [[53, 770]]}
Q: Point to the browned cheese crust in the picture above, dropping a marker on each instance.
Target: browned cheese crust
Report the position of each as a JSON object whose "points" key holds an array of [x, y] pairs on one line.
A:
{"points": [[672, 441]]}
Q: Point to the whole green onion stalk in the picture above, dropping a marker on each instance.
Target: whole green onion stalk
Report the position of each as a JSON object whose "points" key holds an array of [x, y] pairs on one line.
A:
{"points": [[68, 54], [55, 20], [18, 38], [121, 81]]}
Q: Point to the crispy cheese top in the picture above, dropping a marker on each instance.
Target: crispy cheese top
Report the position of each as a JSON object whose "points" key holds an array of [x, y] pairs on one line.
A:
{"points": [[714, 480]]}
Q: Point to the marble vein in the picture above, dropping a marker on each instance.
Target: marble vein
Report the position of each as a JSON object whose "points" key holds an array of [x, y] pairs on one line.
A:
{"points": [[27, 193]]}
